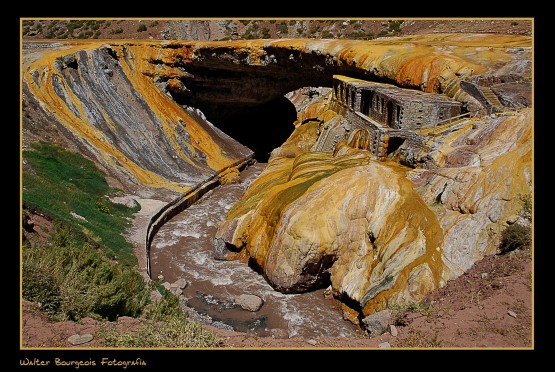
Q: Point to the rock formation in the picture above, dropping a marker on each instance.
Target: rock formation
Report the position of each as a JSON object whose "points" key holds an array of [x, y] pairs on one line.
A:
{"points": [[343, 217], [382, 230], [99, 95]]}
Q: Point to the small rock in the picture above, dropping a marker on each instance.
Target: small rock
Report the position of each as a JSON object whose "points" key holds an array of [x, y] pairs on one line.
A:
{"points": [[126, 200], [279, 333], [176, 291], [167, 286], [328, 293], [155, 295], [384, 344], [512, 219], [79, 340], [377, 323], [393, 330], [75, 215], [312, 342], [484, 275], [511, 313], [160, 277], [249, 302], [179, 283]]}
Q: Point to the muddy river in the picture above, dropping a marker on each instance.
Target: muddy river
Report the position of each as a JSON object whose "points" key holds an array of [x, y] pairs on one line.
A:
{"points": [[182, 248]]}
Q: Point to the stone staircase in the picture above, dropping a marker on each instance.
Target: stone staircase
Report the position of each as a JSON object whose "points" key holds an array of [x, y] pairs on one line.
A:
{"points": [[434, 131], [492, 99]]}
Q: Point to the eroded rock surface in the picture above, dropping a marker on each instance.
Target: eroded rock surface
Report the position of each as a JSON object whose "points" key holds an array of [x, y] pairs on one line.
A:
{"points": [[343, 217]]}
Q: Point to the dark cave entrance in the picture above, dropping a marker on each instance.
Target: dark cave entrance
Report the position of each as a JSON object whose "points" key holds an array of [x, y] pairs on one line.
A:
{"points": [[394, 144], [261, 127]]}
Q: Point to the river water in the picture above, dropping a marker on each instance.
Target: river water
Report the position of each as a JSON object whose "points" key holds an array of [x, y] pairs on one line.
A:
{"points": [[183, 248]]}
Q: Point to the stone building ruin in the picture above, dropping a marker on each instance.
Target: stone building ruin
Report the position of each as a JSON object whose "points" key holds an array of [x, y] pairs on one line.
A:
{"points": [[392, 115]]}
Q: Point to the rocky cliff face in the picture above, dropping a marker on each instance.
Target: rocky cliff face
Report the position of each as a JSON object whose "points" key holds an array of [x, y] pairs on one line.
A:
{"points": [[100, 97]]}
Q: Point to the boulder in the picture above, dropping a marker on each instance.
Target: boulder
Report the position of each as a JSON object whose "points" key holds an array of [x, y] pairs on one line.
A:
{"points": [[80, 339], [249, 302], [378, 323], [126, 200], [347, 215], [179, 283]]}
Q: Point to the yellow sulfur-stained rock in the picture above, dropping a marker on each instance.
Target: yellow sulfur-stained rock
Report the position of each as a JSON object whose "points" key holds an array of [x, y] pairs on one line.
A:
{"points": [[348, 216]]}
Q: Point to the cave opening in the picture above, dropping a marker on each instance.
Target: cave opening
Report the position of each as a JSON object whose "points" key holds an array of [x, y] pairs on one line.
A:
{"points": [[261, 128], [394, 144]]}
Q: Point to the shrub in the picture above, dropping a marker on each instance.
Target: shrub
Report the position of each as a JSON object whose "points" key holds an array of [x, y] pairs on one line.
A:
{"points": [[515, 236], [102, 207], [526, 211], [40, 285], [72, 280], [266, 33], [282, 27], [141, 28], [117, 31]]}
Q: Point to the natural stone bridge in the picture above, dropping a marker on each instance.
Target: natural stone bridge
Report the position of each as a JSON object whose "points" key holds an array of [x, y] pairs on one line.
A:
{"points": [[219, 77]]}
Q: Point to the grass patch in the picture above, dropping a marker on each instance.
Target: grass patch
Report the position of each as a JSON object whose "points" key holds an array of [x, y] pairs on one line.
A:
{"points": [[418, 339], [423, 307], [167, 327], [64, 183]]}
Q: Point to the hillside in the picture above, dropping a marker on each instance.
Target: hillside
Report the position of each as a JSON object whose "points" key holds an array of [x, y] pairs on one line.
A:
{"points": [[357, 29]]}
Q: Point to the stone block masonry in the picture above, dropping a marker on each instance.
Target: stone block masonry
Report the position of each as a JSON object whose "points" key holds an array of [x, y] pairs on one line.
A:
{"points": [[390, 114]]}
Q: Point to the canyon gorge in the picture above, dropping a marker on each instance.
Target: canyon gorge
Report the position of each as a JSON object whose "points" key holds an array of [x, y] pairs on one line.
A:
{"points": [[356, 191]]}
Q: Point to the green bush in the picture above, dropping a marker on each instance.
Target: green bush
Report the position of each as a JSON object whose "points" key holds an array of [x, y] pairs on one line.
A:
{"points": [[117, 31], [282, 27], [518, 236], [141, 28], [515, 236], [72, 280], [266, 33], [102, 206], [41, 286]]}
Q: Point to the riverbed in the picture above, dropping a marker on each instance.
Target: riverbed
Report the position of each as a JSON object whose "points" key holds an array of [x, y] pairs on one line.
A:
{"points": [[183, 248]]}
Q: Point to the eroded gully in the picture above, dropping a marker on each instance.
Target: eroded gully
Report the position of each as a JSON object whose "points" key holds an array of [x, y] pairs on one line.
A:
{"points": [[182, 248]]}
